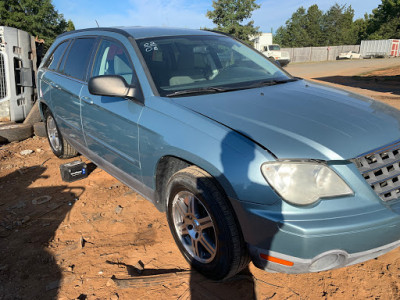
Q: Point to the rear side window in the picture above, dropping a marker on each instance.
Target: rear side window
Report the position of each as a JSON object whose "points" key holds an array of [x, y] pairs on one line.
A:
{"points": [[54, 58], [78, 58]]}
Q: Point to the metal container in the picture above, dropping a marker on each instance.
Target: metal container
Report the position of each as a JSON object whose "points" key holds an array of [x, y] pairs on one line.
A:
{"points": [[17, 67], [379, 48]]}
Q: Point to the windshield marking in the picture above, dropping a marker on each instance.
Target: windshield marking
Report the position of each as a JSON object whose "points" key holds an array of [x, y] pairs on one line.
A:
{"points": [[150, 46]]}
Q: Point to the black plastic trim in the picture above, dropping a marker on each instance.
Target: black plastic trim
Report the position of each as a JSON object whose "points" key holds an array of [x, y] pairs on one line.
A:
{"points": [[110, 29]]}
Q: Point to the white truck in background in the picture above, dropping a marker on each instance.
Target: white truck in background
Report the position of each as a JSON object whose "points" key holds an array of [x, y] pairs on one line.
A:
{"points": [[263, 43], [19, 116], [17, 69]]}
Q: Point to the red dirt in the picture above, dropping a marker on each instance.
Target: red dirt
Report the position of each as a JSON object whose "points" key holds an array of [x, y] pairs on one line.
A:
{"points": [[95, 230], [394, 71]]}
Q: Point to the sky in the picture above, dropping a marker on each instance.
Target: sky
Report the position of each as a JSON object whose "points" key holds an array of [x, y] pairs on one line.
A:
{"points": [[186, 13]]}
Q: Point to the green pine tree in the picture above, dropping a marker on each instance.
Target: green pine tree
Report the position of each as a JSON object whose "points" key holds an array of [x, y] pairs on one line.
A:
{"points": [[384, 23], [229, 16]]}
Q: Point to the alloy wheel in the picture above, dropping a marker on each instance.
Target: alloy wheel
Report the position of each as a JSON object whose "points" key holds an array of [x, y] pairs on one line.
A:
{"points": [[52, 133], [194, 226]]}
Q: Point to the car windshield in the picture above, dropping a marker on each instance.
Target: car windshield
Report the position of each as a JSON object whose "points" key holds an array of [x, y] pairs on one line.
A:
{"points": [[274, 48], [206, 63]]}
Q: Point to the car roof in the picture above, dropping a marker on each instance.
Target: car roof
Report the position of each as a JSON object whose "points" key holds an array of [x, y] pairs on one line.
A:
{"points": [[139, 32], [146, 32]]}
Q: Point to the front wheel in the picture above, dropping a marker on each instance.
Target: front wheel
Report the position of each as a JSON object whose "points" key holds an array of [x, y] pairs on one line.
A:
{"points": [[204, 226], [60, 146]]}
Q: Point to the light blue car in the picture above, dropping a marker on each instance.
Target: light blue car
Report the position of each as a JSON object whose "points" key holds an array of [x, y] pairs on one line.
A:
{"points": [[248, 162]]}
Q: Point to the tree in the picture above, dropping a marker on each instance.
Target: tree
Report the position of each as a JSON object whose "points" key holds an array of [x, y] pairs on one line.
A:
{"points": [[296, 29], [360, 28], [315, 28], [384, 23], [314, 18], [282, 37], [338, 25], [70, 26], [38, 17], [303, 29], [229, 16]]}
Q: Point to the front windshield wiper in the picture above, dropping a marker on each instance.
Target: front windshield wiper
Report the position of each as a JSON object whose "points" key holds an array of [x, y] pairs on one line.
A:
{"points": [[213, 89], [272, 82], [198, 91]]}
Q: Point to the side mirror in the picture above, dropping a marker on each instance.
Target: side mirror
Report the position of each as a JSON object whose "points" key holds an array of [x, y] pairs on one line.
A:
{"points": [[111, 85]]}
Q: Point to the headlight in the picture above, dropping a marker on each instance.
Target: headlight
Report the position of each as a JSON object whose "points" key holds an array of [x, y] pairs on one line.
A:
{"points": [[304, 183]]}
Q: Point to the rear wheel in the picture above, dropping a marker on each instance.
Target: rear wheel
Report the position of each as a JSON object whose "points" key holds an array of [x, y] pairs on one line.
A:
{"points": [[204, 226], [60, 146]]}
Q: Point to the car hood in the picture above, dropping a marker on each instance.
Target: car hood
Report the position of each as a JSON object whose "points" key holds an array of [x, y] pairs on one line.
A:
{"points": [[303, 120]]}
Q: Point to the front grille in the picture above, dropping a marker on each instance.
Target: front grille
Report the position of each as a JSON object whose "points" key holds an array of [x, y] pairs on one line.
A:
{"points": [[381, 169], [3, 86]]}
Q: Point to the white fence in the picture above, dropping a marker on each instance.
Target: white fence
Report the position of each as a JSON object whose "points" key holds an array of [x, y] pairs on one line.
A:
{"points": [[306, 54]]}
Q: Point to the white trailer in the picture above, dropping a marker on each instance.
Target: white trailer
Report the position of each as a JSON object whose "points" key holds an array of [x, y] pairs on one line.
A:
{"points": [[380, 48]]}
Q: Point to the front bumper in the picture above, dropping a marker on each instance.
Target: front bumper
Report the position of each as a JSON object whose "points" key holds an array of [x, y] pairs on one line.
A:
{"points": [[329, 260], [283, 61], [317, 244]]}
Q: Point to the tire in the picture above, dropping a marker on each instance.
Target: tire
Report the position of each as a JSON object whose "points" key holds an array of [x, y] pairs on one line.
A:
{"points": [[15, 132], [59, 145], [204, 226], [39, 129]]}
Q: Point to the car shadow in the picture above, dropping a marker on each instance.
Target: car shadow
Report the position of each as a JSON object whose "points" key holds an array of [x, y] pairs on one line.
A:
{"points": [[383, 84], [240, 286], [29, 218]]}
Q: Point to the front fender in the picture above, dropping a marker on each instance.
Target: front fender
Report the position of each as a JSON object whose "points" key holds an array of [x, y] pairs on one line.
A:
{"points": [[167, 129]]}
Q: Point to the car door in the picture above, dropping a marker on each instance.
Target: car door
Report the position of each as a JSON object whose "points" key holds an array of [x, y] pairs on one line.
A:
{"points": [[66, 88], [110, 124], [46, 76]]}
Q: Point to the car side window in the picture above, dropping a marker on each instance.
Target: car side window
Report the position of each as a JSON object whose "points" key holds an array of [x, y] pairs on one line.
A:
{"points": [[62, 62], [112, 59], [78, 58], [53, 60]]}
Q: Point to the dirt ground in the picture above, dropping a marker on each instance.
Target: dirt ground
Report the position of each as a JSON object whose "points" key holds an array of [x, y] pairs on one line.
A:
{"points": [[96, 239]]}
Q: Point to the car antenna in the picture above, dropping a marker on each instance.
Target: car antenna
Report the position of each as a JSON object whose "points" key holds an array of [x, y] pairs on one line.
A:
{"points": [[96, 23]]}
